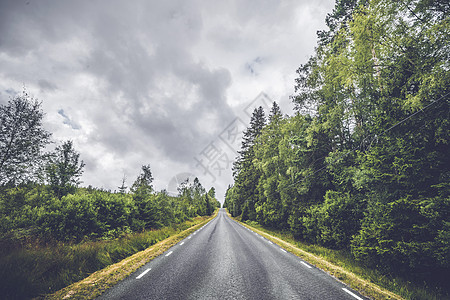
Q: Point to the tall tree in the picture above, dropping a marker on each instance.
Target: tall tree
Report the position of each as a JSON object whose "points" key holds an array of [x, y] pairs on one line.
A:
{"points": [[144, 200], [245, 172], [275, 114], [268, 207], [22, 139], [64, 169], [143, 183]]}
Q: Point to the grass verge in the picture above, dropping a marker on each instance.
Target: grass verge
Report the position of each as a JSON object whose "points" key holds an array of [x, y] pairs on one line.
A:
{"points": [[98, 282]]}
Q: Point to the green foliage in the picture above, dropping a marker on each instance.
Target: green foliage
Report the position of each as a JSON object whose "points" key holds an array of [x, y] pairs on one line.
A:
{"points": [[405, 235], [70, 218], [96, 214], [143, 184], [245, 173], [64, 169], [333, 223]]}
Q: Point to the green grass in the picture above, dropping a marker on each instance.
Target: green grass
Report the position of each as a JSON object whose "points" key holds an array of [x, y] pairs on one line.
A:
{"points": [[344, 259], [31, 268]]}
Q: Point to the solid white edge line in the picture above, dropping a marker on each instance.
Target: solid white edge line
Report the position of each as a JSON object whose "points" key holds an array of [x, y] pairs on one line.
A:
{"points": [[169, 253], [305, 264], [352, 294], [143, 273]]}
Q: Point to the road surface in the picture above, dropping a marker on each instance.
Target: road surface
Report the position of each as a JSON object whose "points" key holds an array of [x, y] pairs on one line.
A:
{"points": [[225, 260]]}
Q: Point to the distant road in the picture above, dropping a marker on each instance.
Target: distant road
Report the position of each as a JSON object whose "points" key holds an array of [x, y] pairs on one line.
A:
{"points": [[224, 260]]}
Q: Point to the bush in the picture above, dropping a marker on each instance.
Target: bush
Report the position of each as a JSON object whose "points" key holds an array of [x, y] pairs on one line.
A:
{"points": [[406, 236], [333, 223], [71, 218]]}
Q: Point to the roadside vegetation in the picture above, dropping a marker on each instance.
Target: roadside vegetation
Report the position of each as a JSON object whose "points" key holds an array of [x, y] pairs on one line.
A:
{"points": [[362, 168]]}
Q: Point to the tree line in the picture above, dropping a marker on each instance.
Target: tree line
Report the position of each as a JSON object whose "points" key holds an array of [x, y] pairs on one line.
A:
{"points": [[363, 165], [40, 193]]}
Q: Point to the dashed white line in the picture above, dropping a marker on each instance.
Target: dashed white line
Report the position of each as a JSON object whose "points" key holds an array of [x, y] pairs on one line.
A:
{"points": [[305, 264], [283, 250], [169, 253], [189, 237], [181, 244], [270, 242], [352, 294], [143, 273]]}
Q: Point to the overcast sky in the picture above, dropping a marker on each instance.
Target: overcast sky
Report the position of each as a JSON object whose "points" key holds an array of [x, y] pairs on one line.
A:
{"points": [[165, 83]]}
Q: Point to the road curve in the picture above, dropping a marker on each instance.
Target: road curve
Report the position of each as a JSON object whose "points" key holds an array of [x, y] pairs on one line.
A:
{"points": [[225, 260]]}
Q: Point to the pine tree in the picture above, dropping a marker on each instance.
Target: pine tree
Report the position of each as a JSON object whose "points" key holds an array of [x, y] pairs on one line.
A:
{"points": [[275, 113], [245, 172]]}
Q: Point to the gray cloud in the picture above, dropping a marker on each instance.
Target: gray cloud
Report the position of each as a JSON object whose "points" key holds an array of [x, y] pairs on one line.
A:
{"points": [[46, 85], [68, 121]]}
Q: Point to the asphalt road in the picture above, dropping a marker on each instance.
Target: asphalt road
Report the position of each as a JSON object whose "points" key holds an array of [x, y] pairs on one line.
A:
{"points": [[225, 260]]}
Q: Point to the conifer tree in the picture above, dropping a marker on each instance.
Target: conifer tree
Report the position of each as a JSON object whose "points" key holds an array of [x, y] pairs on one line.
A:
{"points": [[245, 172]]}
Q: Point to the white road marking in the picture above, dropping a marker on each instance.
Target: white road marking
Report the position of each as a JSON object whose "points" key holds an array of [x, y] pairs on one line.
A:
{"points": [[305, 264], [143, 273], [270, 242], [181, 244], [352, 294], [189, 237], [283, 250], [169, 253]]}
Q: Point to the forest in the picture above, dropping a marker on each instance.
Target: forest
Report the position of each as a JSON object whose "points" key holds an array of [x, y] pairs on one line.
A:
{"points": [[54, 232], [363, 165]]}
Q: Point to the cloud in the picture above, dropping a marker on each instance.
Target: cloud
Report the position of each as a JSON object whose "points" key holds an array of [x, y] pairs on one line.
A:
{"points": [[68, 121], [46, 85]]}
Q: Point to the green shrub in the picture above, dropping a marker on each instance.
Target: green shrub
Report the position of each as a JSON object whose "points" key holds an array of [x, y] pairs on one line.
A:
{"points": [[333, 223], [407, 236]]}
